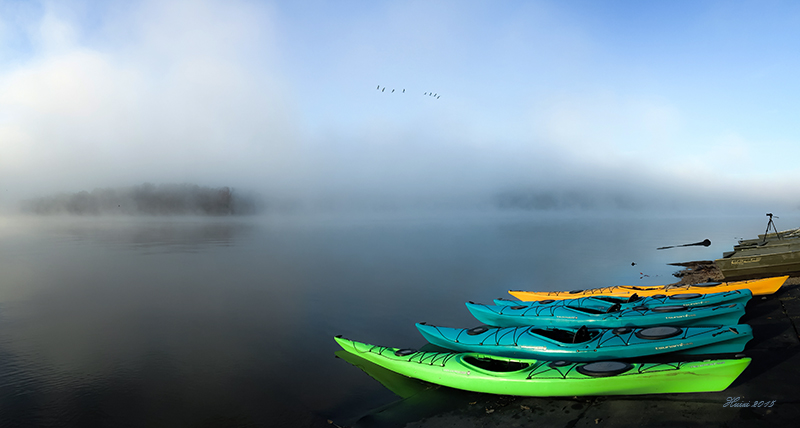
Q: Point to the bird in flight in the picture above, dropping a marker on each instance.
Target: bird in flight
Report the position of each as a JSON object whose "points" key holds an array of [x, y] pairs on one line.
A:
{"points": [[430, 94]]}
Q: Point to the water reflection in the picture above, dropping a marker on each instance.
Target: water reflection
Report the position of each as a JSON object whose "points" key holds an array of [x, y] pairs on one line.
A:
{"points": [[418, 399], [148, 235], [147, 323]]}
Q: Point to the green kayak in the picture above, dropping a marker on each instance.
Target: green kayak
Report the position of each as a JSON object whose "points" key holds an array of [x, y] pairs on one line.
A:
{"points": [[535, 378]]}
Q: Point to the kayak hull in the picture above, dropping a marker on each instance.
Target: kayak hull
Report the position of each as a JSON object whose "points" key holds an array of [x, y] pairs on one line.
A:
{"points": [[556, 344], [605, 302], [567, 316], [536, 378], [758, 287]]}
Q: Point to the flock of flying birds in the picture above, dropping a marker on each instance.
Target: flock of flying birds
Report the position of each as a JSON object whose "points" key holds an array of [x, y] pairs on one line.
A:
{"points": [[430, 94]]}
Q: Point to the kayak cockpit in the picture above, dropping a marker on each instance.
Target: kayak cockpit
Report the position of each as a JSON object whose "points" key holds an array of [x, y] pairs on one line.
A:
{"points": [[611, 299], [580, 335], [493, 365], [639, 288]]}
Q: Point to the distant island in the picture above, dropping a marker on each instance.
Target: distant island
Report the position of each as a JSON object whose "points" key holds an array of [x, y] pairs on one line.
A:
{"points": [[546, 200], [146, 199]]}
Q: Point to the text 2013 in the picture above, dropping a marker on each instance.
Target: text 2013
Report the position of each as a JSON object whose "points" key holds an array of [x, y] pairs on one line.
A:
{"points": [[736, 402]]}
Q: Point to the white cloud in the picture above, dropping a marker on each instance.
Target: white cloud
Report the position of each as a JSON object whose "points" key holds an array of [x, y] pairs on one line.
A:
{"points": [[193, 93]]}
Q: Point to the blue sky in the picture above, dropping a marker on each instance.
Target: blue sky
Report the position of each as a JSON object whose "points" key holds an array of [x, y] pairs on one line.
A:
{"points": [[654, 100]]}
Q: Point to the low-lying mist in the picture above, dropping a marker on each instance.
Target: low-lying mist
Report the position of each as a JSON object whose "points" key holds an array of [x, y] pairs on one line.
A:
{"points": [[595, 196]]}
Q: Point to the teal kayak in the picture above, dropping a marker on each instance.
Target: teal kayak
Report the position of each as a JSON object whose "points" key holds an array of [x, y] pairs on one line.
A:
{"points": [[605, 302], [613, 317], [537, 378], [584, 344]]}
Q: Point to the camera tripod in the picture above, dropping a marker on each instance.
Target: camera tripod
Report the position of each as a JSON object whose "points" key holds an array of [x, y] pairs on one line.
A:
{"points": [[771, 223]]}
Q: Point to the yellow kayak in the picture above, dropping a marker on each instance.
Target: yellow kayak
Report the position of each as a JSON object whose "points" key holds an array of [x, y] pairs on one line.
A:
{"points": [[757, 286]]}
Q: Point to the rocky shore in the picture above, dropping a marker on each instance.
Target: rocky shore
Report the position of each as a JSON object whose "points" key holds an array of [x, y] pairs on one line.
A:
{"points": [[696, 272]]}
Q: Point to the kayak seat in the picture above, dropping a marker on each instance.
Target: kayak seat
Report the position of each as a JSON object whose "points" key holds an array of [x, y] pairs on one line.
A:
{"points": [[634, 298], [558, 335], [582, 335], [616, 307]]}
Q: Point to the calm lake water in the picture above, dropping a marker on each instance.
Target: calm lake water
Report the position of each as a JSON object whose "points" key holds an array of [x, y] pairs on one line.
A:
{"points": [[167, 322]]}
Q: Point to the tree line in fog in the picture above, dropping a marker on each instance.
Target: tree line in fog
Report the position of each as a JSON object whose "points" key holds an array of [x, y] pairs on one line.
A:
{"points": [[148, 199]]}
